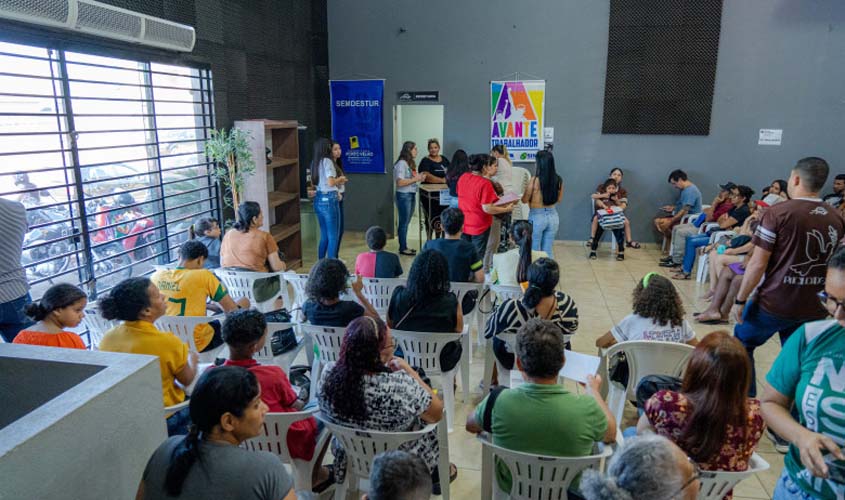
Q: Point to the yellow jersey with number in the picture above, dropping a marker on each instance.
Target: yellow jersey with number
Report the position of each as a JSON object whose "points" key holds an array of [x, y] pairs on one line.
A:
{"points": [[187, 292]]}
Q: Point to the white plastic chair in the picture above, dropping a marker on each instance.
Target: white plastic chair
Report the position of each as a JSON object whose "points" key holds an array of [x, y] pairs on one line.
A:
{"points": [[285, 360], [274, 440], [716, 484], [461, 289], [534, 477], [645, 357], [297, 282], [704, 259], [422, 349], [96, 325], [240, 284], [686, 219], [328, 340], [362, 446], [378, 292], [183, 327]]}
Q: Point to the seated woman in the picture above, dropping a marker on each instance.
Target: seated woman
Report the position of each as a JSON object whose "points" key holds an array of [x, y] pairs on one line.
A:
{"points": [[621, 200], [226, 409], [644, 467], [604, 224], [711, 418], [735, 249], [658, 315], [807, 374], [541, 300], [246, 246], [427, 305], [724, 294], [138, 303], [369, 388], [326, 281], [511, 267], [62, 306], [778, 187]]}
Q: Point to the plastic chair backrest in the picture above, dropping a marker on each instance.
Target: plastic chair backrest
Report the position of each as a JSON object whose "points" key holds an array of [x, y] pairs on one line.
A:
{"points": [[716, 484], [328, 340], [275, 431], [96, 325], [460, 289], [541, 476], [379, 290], [422, 349], [240, 284], [505, 292], [651, 357], [183, 327], [297, 282]]}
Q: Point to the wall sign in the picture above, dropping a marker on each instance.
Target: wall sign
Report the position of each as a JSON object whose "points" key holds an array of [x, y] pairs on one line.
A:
{"points": [[357, 107], [418, 96], [770, 137], [516, 117]]}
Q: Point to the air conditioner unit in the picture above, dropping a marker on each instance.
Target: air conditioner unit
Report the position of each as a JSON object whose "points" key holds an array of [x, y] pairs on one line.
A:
{"points": [[95, 18]]}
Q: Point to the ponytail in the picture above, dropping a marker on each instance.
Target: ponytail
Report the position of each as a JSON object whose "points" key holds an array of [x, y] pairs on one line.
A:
{"points": [[543, 277], [521, 232], [181, 461], [247, 211], [36, 311]]}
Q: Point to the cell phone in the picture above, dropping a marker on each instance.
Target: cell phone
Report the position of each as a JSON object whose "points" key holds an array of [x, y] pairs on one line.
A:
{"points": [[836, 471]]}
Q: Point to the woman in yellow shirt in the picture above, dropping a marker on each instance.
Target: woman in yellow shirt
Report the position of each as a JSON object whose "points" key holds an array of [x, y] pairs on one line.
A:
{"points": [[139, 303]]}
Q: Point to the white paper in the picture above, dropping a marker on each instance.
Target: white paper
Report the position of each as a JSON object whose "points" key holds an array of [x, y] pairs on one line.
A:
{"points": [[445, 197], [548, 134], [578, 366], [770, 137]]}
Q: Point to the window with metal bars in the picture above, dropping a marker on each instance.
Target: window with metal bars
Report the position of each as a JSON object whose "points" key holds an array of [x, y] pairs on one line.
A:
{"points": [[107, 156]]}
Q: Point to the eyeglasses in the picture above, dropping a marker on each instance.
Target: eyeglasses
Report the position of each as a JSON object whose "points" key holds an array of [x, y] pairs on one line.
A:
{"points": [[830, 301]]}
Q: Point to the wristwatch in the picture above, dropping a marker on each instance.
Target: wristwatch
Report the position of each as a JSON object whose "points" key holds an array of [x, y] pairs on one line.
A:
{"points": [[740, 302]]}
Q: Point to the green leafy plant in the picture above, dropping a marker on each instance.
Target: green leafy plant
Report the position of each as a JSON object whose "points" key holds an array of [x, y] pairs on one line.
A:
{"points": [[230, 150]]}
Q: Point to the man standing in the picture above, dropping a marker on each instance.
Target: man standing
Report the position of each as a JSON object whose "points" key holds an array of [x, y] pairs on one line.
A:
{"points": [[793, 243], [835, 198], [14, 289], [689, 202]]}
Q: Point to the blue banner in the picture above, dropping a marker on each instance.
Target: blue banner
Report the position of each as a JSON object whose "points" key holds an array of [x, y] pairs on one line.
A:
{"points": [[357, 124]]}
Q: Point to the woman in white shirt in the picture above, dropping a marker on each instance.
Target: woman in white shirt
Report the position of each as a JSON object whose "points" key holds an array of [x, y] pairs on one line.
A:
{"points": [[337, 156], [327, 200], [511, 267], [504, 177], [406, 179]]}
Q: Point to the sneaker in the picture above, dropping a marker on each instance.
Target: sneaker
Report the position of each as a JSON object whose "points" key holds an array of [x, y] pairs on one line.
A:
{"points": [[667, 259], [781, 445], [668, 263]]}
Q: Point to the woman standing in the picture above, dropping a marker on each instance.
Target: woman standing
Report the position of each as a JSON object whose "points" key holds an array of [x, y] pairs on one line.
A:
{"points": [[327, 200], [504, 174], [406, 177], [544, 191], [476, 199], [458, 167], [337, 156], [434, 167]]}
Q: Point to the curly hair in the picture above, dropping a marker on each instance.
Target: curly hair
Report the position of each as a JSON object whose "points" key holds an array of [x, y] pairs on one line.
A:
{"points": [[428, 277], [360, 354], [326, 280], [659, 301]]}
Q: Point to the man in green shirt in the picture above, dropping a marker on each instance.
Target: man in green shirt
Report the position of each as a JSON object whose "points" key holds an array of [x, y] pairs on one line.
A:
{"points": [[540, 416]]}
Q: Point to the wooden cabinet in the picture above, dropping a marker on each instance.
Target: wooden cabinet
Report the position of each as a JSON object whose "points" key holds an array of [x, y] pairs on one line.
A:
{"points": [[275, 185]]}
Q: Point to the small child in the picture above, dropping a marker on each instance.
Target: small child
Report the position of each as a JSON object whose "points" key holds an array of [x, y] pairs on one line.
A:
{"points": [[377, 263], [245, 332], [658, 315], [207, 231], [61, 307]]}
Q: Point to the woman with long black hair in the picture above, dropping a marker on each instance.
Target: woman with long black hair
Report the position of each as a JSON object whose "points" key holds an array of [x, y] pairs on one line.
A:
{"points": [[337, 157], [406, 178], [544, 191], [457, 167], [226, 410], [511, 267], [327, 200]]}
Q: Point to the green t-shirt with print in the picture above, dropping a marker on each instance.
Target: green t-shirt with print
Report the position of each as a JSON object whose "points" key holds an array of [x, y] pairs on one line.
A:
{"points": [[544, 420], [811, 369]]}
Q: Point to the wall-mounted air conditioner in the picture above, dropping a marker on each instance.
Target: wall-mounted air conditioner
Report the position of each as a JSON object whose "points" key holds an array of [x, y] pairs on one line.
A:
{"points": [[103, 20]]}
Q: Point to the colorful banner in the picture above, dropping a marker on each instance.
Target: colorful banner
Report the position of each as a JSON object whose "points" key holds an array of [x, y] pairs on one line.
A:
{"points": [[516, 117], [357, 112]]}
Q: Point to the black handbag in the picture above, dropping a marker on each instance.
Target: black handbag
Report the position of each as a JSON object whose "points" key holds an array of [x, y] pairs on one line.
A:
{"points": [[284, 340]]}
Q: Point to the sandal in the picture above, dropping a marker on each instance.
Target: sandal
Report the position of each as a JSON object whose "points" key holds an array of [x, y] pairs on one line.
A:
{"points": [[632, 244], [620, 256], [593, 256], [319, 488], [408, 251], [453, 474], [681, 276]]}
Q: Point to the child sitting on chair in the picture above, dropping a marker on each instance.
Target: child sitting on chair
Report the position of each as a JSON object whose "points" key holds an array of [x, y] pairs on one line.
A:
{"points": [[245, 333], [600, 224], [377, 263]]}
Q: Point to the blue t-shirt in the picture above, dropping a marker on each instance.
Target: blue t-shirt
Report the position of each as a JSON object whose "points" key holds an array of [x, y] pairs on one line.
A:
{"points": [[811, 369], [213, 245], [691, 196]]}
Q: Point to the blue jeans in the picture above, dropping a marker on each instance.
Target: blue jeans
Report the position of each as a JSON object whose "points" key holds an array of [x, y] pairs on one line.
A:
{"points": [[328, 216], [340, 225], [179, 422], [405, 207], [757, 327], [546, 223], [12, 317], [786, 489], [693, 242]]}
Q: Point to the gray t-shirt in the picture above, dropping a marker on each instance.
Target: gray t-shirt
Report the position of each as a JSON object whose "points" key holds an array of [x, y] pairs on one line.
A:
{"points": [[635, 327], [225, 471], [401, 170], [13, 226]]}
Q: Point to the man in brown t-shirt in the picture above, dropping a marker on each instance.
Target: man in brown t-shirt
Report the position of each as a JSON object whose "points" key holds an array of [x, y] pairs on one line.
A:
{"points": [[793, 242]]}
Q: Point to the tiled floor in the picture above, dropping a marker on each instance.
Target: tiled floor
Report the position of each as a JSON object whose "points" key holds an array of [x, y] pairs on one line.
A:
{"points": [[602, 292]]}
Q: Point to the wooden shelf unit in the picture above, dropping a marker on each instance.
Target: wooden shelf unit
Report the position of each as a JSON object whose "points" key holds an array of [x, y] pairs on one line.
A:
{"points": [[275, 186]]}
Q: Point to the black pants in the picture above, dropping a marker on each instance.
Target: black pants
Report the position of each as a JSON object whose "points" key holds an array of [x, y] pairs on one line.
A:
{"points": [[619, 234], [478, 241]]}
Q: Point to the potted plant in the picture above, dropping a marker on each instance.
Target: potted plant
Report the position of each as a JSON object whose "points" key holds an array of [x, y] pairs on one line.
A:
{"points": [[230, 151]]}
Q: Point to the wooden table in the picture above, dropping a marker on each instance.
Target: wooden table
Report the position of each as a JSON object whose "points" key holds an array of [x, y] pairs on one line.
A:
{"points": [[432, 191]]}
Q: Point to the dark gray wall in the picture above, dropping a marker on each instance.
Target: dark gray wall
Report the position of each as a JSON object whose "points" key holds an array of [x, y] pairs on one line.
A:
{"points": [[780, 65]]}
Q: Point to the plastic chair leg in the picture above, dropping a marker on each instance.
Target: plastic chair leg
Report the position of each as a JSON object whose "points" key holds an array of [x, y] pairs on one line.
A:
{"points": [[443, 458], [463, 365], [315, 377], [489, 363]]}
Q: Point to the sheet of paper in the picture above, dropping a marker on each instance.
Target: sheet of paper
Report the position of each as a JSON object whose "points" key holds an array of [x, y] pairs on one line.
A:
{"points": [[445, 197], [507, 198], [578, 366]]}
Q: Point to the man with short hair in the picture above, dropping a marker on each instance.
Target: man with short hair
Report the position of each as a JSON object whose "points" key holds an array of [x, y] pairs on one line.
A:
{"points": [[688, 202], [835, 198], [722, 204], [793, 243], [540, 416], [464, 262], [398, 475], [14, 288]]}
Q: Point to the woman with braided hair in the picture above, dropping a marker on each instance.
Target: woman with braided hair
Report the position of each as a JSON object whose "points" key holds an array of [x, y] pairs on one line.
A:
{"points": [[226, 410]]}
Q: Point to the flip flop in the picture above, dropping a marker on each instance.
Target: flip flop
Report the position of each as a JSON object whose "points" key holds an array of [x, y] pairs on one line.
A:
{"points": [[713, 322], [409, 251], [319, 488], [681, 276], [632, 244]]}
